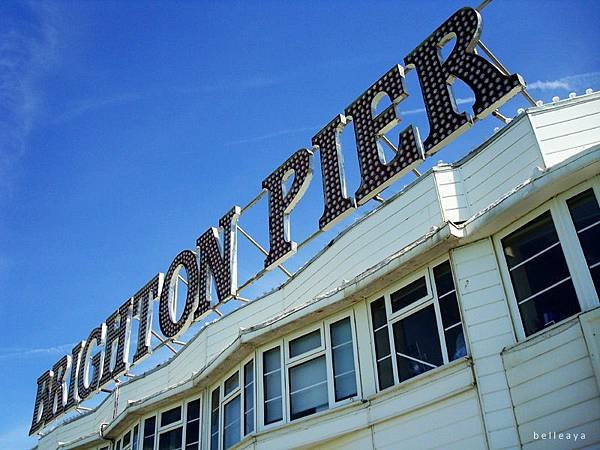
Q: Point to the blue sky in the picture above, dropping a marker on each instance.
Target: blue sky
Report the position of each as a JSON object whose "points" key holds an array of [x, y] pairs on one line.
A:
{"points": [[128, 128]]}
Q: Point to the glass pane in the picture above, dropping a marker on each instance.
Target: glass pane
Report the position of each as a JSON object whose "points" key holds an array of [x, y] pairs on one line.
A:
{"points": [[443, 278], [385, 373], [307, 374], [127, 439], [192, 432], [308, 388], [416, 337], [148, 443], [409, 294], [231, 383], [149, 426], [382, 343], [586, 216], [305, 343], [537, 235], [584, 209], [170, 440], [231, 425], [170, 416], [341, 332], [136, 435], [449, 310], [118, 445], [549, 308], [343, 359], [272, 385], [249, 398], [455, 343], [378, 314], [539, 273], [193, 410], [214, 419], [273, 411], [271, 360]]}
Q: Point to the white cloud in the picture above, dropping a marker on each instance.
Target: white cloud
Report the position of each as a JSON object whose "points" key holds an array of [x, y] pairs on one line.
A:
{"points": [[577, 82], [16, 352], [27, 48]]}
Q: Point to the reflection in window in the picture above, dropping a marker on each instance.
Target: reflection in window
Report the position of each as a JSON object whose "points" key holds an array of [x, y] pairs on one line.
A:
{"points": [[417, 343], [170, 440], [408, 340], [249, 398], [539, 274], [231, 422], [149, 433], [305, 343], [308, 388], [342, 349], [273, 411], [409, 294], [192, 427], [451, 321], [383, 353], [214, 419], [586, 218]]}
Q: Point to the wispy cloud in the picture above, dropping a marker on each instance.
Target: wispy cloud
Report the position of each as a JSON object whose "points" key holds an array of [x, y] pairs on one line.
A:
{"points": [[92, 104], [16, 352], [577, 82], [288, 131], [27, 47], [267, 136]]}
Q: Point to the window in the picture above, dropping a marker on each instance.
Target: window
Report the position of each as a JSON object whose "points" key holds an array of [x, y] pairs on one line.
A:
{"points": [[319, 371], [539, 274], [149, 433], [585, 214], [342, 350], [307, 375], [249, 397], [273, 410], [417, 327], [168, 432], [192, 427], [232, 408]]}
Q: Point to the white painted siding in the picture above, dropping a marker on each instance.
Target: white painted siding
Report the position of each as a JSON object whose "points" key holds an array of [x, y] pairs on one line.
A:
{"points": [[506, 161], [553, 387], [489, 329], [566, 130], [451, 193]]}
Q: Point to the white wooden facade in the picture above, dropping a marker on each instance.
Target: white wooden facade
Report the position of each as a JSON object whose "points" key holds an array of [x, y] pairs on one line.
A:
{"points": [[508, 387]]}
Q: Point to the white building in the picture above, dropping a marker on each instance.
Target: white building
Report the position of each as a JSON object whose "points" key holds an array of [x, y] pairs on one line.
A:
{"points": [[460, 314]]}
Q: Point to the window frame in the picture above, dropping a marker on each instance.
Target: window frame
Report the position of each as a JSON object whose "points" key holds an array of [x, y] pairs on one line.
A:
{"points": [[288, 362], [225, 399], [583, 284], [157, 414], [391, 318]]}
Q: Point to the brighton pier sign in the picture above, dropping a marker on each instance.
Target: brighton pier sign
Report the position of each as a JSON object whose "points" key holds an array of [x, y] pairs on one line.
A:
{"points": [[105, 355]]}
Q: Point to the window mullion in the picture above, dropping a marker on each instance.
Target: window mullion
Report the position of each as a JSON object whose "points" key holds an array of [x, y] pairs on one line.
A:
{"points": [[329, 365], [578, 268], [388, 310], [439, 323]]}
